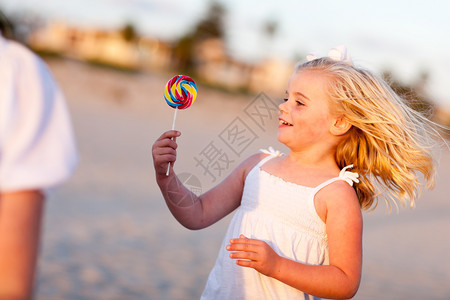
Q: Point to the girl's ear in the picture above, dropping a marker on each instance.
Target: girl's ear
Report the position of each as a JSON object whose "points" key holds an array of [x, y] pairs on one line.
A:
{"points": [[340, 126]]}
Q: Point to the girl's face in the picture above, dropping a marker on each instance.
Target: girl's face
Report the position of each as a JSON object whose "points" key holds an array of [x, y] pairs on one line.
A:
{"points": [[304, 117]]}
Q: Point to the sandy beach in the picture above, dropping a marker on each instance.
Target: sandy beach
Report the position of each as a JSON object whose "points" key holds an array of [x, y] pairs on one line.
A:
{"points": [[108, 234]]}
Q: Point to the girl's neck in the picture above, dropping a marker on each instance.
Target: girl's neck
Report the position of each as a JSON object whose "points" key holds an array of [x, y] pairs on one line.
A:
{"points": [[303, 169], [312, 159]]}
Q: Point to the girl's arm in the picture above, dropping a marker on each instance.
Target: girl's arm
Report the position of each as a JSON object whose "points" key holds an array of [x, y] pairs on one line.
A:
{"points": [[340, 279], [196, 212]]}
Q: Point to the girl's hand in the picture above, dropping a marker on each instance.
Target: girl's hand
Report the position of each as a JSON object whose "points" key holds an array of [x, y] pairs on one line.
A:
{"points": [[164, 151], [254, 254]]}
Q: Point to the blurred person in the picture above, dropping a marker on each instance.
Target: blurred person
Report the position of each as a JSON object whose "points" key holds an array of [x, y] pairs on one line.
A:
{"points": [[37, 151], [297, 230]]}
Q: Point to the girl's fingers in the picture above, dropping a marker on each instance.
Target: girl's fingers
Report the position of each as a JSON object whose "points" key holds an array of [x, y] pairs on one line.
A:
{"points": [[252, 253], [166, 158], [246, 263], [244, 240], [164, 150], [169, 135], [247, 245], [162, 147], [165, 143], [244, 255], [163, 156]]}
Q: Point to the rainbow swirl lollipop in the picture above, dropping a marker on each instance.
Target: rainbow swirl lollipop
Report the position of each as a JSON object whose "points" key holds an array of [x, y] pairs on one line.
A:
{"points": [[180, 92]]}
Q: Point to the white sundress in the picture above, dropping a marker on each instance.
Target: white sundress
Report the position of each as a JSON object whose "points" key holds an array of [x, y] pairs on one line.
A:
{"points": [[282, 214]]}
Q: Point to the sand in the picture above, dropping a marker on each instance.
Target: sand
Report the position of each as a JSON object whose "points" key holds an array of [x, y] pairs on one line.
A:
{"points": [[109, 235]]}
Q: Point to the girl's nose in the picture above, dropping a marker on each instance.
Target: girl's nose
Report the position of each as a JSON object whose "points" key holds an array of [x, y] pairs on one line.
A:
{"points": [[283, 107]]}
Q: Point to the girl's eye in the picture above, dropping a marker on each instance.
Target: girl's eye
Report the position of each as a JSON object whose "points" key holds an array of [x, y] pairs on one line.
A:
{"points": [[299, 102]]}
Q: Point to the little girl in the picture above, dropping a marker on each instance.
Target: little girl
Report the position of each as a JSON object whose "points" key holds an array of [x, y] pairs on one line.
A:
{"points": [[297, 230]]}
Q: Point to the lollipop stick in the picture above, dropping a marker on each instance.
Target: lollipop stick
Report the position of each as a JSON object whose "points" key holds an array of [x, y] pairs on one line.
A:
{"points": [[174, 118], [173, 128]]}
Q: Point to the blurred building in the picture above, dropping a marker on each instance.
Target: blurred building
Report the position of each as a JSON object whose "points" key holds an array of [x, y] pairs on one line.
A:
{"points": [[212, 64], [154, 54], [215, 67], [271, 75], [107, 47]]}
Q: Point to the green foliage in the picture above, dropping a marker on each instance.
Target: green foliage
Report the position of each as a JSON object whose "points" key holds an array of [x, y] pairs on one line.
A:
{"points": [[212, 26], [128, 32], [270, 28], [183, 53]]}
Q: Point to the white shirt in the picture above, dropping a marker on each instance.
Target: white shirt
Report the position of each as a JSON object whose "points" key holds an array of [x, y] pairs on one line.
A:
{"points": [[37, 147]]}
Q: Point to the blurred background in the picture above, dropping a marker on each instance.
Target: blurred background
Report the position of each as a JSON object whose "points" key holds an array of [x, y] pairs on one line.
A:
{"points": [[108, 234]]}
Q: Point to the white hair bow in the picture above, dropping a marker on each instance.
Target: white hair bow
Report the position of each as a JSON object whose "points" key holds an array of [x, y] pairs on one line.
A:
{"points": [[338, 53]]}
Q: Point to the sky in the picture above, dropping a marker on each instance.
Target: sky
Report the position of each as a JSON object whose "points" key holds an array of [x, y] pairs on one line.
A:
{"points": [[404, 36]]}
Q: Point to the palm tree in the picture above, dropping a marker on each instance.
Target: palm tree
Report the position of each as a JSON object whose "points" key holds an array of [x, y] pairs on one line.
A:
{"points": [[212, 26]]}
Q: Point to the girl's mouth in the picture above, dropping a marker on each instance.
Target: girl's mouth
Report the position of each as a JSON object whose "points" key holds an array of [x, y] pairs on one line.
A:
{"points": [[283, 122]]}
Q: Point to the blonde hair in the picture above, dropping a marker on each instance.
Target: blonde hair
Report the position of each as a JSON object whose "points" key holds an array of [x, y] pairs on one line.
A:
{"points": [[389, 143]]}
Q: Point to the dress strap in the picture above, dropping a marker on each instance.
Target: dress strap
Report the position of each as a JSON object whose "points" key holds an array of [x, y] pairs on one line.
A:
{"points": [[272, 153], [345, 175]]}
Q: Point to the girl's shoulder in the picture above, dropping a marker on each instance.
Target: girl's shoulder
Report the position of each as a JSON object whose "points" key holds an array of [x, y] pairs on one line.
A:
{"points": [[335, 197], [250, 162]]}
